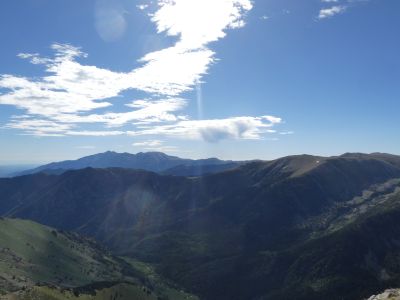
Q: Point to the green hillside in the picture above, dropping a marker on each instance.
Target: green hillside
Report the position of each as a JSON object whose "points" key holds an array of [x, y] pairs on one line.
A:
{"points": [[31, 253], [38, 262], [120, 291]]}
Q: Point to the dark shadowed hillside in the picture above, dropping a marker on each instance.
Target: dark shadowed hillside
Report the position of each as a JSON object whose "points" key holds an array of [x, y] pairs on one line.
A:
{"points": [[300, 227]]}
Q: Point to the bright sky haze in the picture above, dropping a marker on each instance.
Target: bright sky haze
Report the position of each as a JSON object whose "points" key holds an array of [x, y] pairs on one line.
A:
{"points": [[234, 79]]}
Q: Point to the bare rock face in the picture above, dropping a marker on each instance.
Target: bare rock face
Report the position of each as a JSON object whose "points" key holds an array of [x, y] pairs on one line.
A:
{"points": [[392, 294]]}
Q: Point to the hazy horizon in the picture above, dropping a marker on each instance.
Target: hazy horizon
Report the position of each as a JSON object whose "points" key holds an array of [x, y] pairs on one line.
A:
{"points": [[5, 164]]}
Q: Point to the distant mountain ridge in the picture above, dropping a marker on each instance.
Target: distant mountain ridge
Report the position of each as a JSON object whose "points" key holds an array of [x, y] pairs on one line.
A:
{"points": [[149, 161], [11, 170]]}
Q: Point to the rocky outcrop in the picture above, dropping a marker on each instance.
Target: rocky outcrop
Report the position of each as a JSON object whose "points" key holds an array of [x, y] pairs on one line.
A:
{"points": [[392, 294]]}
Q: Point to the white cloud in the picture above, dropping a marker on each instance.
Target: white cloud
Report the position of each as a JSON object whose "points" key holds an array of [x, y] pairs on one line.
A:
{"points": [[142, 6], [145, 111], [42, 127], [214, 130], [65, 98], [199, 22], [339, 6], [94, 133], [39, 127], [286, 132], [196, 23], [155, 145], [72, 87], [330, 12], [69, 88], [172, 71], [149, 143]]}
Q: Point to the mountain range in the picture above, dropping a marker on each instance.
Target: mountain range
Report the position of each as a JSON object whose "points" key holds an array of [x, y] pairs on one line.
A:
{"points": [[150, 161], [299, 227]]}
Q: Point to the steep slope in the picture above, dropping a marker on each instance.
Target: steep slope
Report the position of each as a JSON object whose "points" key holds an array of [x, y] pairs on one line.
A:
{"points": [[249, 229], [392, 294], [75, 198], [351, 262], [150, 161], [199, 169], [122, 291], [31, 253], [39, 262]]}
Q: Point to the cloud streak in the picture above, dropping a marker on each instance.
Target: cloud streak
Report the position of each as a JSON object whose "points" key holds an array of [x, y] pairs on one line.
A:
{"points": [[154, 145], [69, 86], [337, 7], [71, 94], [213, 131], [332, 11]]}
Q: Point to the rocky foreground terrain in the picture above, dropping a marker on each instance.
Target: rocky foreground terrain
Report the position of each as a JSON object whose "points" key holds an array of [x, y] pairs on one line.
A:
{"points": [[391, 294]]}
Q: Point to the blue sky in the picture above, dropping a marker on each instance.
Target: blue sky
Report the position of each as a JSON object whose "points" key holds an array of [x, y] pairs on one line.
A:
{"points": [[235, 79]]}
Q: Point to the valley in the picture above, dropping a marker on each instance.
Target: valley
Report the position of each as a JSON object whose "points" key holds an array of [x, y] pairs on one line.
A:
{"points": [[302, 226]]}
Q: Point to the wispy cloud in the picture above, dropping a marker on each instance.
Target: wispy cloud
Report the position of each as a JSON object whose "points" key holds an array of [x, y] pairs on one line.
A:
{"points": [[149, 143], [286, 132], [145, 112], [69, 88], [142, 6], [155, 145], [214, 130], [337, 7], [94, 133], [71, 94], [330, 12], [39, 127]]}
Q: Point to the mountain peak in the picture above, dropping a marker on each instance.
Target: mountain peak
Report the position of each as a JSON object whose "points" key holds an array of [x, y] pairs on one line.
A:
{"points": [[151, 161]]}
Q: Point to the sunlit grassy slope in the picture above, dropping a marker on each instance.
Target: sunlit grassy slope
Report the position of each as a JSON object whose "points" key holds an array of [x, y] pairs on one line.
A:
{"points": [[120, 291], [31, 253], [38, 262]]}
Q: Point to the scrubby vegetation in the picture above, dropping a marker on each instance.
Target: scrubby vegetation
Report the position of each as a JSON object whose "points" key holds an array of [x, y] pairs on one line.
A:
{"points": [[38, 262]]}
